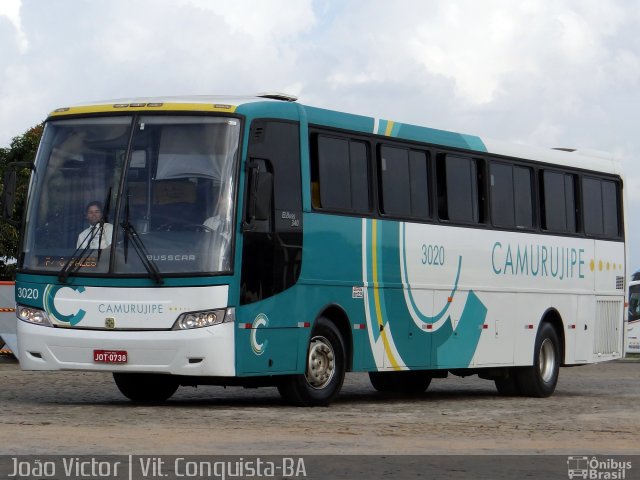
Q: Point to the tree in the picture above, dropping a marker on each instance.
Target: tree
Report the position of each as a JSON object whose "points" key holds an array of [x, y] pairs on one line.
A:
{"points": [[22, 149]]}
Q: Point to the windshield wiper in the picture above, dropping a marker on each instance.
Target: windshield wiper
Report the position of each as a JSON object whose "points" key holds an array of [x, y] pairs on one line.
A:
{"points": [[139, 247], [75, 261]]}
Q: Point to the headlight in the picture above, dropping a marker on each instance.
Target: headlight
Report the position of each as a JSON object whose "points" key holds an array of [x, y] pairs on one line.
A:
{"points": [[204, 318], [33, 315]]}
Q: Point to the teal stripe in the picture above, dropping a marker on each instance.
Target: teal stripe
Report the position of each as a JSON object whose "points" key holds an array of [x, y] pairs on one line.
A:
{"points": [[125, 282]]}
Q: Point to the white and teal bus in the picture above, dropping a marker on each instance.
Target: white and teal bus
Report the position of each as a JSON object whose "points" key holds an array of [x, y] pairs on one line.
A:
{"points": [[261, 242]]}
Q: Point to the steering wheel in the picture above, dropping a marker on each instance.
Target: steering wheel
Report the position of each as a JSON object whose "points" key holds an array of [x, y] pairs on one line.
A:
{"points": [[165, 227], [195, 227], [184, 227]]}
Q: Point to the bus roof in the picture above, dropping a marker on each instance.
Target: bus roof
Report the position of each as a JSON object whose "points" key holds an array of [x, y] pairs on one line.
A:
{"points": [[569, 157], [225, 103]]}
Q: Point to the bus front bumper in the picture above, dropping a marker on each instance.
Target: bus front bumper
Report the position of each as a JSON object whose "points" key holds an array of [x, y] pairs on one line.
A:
{"points": [[205, 351]]}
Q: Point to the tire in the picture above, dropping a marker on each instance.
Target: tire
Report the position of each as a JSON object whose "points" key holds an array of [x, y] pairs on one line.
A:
{"points": [[146, 387], [507, 386], [407, 381], [540, 379], [324, 375]]}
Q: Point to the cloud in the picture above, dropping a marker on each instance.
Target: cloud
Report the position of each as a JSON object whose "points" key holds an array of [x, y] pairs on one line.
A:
{"points": [[268, 21], [10, 11]]}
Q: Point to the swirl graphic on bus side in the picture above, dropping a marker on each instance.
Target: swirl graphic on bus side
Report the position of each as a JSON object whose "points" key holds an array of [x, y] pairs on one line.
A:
{"points": [[260, 321], [50, 306]]}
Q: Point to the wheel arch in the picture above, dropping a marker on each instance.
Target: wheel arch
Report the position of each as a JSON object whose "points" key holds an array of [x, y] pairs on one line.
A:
{"points": [[553, 317], [338, 316]]}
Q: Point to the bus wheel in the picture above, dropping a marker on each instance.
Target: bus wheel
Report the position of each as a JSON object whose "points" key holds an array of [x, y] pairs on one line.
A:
{"points": [[146, 387], [540, 379], [325, 370], [507, 386], [407, 381]]}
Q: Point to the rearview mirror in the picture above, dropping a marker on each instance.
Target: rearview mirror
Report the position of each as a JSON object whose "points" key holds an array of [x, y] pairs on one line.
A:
{"points": [[259, 198]]}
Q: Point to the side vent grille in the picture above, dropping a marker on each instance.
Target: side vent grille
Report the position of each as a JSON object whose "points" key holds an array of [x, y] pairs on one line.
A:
{"points": [[608, 321], [257, 134], [619, 283]]}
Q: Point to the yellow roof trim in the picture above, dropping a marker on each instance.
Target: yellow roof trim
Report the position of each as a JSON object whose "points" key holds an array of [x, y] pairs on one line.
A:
{"points": [[145, 107]]}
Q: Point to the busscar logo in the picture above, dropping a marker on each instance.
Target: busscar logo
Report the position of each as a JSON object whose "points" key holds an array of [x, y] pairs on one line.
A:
{"points": [[594, 468]]}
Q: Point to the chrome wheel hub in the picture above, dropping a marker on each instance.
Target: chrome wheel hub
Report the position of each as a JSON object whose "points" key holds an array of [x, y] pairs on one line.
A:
{"points": [[547, 360], [320, 363]]}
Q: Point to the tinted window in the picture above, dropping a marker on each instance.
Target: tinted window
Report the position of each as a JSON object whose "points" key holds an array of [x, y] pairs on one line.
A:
{"points": [[592, 206], [570, 202], [523, 197], [333, 166], [610, 209], [342, 174], [419, 184], [511, 196], [394, 175], [600, 207], [458, 189], [502, 204], [559, 211], [359, 177], [404, 182]]}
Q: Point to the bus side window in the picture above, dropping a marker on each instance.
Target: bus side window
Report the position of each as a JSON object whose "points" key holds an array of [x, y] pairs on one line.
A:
{"points": [[404, 182], [340, 167], [511, 196], [559, 207], [600, 207], [460, 196]]}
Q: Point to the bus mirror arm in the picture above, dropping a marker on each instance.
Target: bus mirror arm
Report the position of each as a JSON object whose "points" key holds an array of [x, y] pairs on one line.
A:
{"points": [[259, 200]]}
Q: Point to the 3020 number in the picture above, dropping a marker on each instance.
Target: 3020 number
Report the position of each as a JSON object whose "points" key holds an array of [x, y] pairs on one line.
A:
{"points": [[28, 293], [432, 255]]}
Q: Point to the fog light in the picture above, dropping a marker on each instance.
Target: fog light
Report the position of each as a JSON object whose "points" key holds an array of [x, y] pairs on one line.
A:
{"points": [[205, 318], [33, 315]]}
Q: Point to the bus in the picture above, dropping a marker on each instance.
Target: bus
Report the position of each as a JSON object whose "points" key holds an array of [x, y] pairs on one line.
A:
{"points": [[261, 242], [633, 325]]}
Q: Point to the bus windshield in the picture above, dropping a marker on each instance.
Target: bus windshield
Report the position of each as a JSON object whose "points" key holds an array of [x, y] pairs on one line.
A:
{"points": [[135, 196]]}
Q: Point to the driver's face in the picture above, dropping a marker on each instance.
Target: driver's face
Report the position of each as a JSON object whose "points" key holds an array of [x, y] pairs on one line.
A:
{"points": [[94, 214]]}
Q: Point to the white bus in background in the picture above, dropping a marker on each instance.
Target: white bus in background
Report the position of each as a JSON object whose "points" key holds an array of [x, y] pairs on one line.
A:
{"points": [[633, 325]]}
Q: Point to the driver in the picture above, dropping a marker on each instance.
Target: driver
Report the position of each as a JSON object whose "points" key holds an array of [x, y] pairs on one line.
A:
{"points": [[96, 235]]}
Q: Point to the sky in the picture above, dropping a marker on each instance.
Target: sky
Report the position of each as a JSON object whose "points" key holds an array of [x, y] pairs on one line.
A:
{"points": [[561, 73]]}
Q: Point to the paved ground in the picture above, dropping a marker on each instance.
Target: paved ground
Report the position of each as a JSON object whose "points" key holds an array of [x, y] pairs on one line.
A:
{"points": [[594, 411]]}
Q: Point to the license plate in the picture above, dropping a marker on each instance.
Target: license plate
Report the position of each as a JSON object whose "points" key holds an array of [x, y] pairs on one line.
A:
{"points": [[110, 356]]}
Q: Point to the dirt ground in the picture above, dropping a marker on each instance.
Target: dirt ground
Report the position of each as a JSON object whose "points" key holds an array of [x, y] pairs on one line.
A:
{"points": [[594, 411]]}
